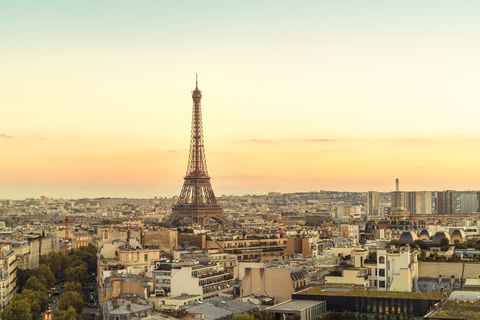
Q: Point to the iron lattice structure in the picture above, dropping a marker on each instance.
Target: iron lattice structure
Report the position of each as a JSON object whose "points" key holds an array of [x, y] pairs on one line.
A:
{"points": [[197, 201]]}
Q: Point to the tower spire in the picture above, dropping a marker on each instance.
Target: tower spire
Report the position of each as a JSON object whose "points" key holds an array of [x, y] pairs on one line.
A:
{"points": [[196, 81]]}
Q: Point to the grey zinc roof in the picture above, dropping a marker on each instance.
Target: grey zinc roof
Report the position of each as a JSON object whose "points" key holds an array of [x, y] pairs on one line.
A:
{"points": [[292, 305], [210, 312], [464, 296]]}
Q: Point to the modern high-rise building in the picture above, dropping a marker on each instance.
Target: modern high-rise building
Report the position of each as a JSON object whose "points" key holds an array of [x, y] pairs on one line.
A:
{"points": [[450, 201], [439, 203], [469, 202], [425, 202], [373, 203], [413, 202], [398, 200]]}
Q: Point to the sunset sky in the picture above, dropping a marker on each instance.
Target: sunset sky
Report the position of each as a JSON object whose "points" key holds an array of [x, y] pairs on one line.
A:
{"points": [[95, 96]]}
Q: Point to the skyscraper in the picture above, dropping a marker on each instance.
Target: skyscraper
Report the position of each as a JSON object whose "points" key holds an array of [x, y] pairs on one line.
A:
{"points": [[373, 203], [468, 202]]}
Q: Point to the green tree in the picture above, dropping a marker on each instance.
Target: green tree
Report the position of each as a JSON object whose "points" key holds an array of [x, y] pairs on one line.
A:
{"points": [[71, 299], [423, 255], [74, 286], [260, 315], [395, 242], [37, 300], [44, 275], [77, 274], [17, 310], [69, 314], [35, 285], [243, 316], [444, 242], [22, 277]]}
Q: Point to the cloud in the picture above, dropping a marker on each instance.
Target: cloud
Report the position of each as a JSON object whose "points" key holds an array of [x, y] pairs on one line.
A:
{"points": [[320, 140], [261, 140], [3, 135]]}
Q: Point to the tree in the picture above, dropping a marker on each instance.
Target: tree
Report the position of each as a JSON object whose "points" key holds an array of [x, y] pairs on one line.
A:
{"points": [[74, 286], [395, 242], [44, 275], [260, 315], [423, 255], [71, 299], [22, 277], [17, 310], [77, 274], [35, 285], [444, 242], [37, 300], [69, 314], [243, 316]]}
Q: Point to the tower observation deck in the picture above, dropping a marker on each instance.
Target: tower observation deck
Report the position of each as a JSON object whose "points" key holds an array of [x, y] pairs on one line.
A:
{"points": [[197, 201]]}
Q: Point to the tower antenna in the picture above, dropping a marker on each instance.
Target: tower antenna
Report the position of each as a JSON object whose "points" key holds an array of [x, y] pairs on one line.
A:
{"points": [[196, 81]]}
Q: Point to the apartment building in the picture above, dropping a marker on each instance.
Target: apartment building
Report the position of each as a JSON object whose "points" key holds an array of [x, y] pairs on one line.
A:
{"points": [[8, 265]]}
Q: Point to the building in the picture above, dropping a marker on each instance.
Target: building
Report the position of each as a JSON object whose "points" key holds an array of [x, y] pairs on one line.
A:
{"points": [[8, 264], [200, 279], [450, 201], [469, 202], [278, 281], [306, 309], [425, 202], [81, 238], [373, 203]]}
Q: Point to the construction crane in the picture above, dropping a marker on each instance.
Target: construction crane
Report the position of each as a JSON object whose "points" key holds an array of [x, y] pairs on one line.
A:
{"points": [[67, 242]]}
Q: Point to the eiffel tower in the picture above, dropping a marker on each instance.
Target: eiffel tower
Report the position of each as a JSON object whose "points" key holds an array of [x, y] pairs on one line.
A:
{"points": [[197, 202]]}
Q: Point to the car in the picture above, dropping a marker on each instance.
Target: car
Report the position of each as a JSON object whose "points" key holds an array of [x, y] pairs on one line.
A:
{"points": [[49, 310]]}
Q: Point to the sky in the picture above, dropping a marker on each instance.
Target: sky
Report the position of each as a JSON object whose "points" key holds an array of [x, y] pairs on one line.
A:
{"points": [[95, 96]]}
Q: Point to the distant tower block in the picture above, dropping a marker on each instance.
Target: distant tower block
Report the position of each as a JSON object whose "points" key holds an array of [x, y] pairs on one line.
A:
{"points": [[398, 185], [197, 202]]}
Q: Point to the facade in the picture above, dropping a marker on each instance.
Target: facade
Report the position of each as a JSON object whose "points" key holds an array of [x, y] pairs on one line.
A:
{"points": [[397, 270], [469, 202], [8, 263], [22, 252], [202, 279], [450, 202], [277, 281], [306, 246], [398, 200], [425, 202], [246, 249], [373, 203], [80, 238], [34, 254], [413, 202]]}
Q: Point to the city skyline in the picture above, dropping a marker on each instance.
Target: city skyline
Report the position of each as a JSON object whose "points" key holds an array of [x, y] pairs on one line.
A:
{"points": [[296, 96]]}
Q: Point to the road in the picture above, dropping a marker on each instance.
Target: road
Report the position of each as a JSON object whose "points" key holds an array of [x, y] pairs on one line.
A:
{"points": [[87, 310]]}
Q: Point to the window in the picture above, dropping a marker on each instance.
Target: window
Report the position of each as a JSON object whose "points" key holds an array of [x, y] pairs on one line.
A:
{"points": [[381, 272], [145, 257], [375, 283], [382, 284], [381, 259]]}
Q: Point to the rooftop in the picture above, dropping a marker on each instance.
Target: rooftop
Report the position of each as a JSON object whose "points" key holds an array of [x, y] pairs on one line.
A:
{"points": [[459, 310], [364, 292]]}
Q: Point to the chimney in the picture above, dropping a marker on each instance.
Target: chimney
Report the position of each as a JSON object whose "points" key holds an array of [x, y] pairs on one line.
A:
{"points": [[129, 307], [398, 185]]}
